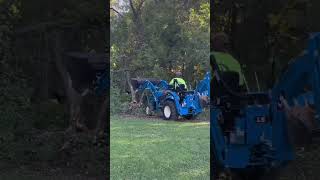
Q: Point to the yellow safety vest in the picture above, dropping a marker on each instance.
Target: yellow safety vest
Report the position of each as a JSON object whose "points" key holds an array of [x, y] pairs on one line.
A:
{"points": [[180, 81]]}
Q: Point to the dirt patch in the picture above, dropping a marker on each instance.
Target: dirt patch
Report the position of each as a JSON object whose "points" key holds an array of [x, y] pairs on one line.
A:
{"points": [[306, 166], [158, 118]]}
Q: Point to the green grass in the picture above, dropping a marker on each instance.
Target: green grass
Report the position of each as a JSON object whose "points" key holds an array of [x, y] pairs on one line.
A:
{"points": [[158, 149]]}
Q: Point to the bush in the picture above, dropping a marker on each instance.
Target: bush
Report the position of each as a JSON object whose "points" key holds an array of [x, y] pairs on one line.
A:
{"points": [[118, 102]]}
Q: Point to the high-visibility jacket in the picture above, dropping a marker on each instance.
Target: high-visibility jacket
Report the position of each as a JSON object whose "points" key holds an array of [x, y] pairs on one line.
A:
{"points": [[226, 62], [180, 81]]}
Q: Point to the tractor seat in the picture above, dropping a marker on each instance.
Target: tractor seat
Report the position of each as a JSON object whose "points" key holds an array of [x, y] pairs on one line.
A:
{"points": [[230, 78], [182, 91], [179, 88], [183, 94]]}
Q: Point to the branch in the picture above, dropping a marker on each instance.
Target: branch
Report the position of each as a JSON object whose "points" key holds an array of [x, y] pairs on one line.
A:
{"points": [[133, 9], [140, 5], [116, 11], [136, 10]]}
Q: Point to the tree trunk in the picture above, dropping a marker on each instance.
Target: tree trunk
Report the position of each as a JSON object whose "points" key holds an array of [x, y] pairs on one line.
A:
{"points": [[234, 15], [102, 117], [133, 93], [136, 11], [44, 68], [74, 99]]}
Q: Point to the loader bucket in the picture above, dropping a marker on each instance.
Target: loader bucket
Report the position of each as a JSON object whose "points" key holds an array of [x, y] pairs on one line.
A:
{"points": [[136, 82]]}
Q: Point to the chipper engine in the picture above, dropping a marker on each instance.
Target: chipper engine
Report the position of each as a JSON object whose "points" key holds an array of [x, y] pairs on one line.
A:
{"points": [[255, 134], [173, 101]]}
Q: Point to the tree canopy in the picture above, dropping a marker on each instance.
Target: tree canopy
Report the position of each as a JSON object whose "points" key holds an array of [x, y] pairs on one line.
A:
{"points": [[34, 38], [155, 38], [265, 35]]}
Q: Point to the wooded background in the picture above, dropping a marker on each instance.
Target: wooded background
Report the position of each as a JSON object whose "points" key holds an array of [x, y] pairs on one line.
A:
{"points": [[153, 39], [266, 34], [50, 117], [148, 39]]}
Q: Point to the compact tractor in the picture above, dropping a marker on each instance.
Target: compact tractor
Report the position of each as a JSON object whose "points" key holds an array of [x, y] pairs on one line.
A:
{"points": [[173, 101], [252, 133]]}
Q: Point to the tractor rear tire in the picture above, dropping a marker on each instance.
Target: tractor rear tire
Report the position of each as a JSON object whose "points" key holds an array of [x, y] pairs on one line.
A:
{"points": [[169, 111]]}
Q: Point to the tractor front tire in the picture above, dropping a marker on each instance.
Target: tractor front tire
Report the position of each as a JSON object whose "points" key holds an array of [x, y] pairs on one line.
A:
{"points": [[169, 111]]}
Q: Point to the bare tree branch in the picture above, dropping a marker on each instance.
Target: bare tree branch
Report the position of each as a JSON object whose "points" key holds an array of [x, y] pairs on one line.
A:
{"points": [[132, 8], [116, 11], [140, 5]]}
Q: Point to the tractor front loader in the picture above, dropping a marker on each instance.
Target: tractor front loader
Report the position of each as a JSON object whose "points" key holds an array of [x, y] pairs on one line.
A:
{"points": [[173, 101]]}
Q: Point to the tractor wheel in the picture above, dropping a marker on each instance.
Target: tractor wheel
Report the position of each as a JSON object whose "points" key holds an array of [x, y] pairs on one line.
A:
{"points": [[169, 111], [148, 110], [190, 117]]}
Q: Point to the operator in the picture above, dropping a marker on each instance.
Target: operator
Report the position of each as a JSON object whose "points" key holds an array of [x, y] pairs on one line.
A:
{"points": [[179, 80], [225, 61]]}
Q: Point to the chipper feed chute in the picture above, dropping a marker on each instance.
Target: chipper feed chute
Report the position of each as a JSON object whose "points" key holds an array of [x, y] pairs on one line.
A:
{"points": [[252, 138]]}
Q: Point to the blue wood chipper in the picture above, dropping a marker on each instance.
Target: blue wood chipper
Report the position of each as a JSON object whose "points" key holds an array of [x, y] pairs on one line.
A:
{"points": [[173, 101], [251, 133]]}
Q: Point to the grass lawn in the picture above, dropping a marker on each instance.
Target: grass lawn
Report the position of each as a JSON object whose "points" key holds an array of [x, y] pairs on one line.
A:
{"points": [[158, 149]]}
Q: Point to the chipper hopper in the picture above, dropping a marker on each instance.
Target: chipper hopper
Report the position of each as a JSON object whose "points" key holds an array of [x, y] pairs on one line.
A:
{"points": [[255, 134], [173, 101]]}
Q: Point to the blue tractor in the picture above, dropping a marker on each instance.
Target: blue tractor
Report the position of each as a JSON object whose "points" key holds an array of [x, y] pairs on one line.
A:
{"points": [[173, 101], [251, 132]]}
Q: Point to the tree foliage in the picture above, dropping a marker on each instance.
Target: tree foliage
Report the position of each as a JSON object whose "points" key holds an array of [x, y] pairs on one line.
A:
{"points": [[155, 38], [27, 56], [265, 34]]}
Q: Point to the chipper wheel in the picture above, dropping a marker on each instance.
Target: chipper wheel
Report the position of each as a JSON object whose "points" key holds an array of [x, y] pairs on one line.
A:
{"points": [[147, 105], [148, 110], [169, 111]]}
